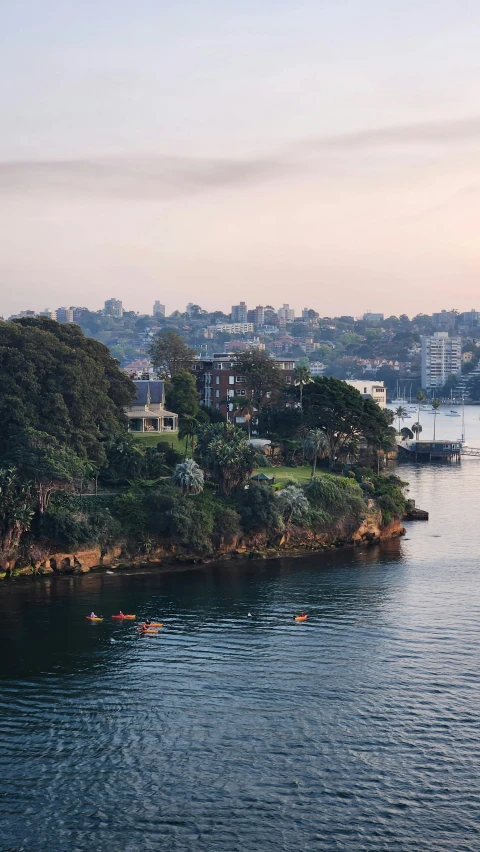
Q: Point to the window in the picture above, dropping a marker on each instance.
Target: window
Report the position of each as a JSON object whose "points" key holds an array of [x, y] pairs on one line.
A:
{"points": [[231, 380], [242, 392], [217, 394], [240, 379], [217, 380], [288, 380]]}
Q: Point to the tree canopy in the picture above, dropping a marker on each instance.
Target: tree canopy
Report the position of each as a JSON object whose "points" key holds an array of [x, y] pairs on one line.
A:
{"points": [[343, 414], [263, 376], [55, 380], [181, 394], [170, 353]]}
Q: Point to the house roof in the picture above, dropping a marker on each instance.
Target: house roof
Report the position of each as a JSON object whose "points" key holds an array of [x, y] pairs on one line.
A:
{"points": [[150, 391], [147, 412]]}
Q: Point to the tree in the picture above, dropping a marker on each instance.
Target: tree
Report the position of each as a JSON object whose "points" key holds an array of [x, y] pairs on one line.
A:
{"points": [[315, 446], [189, 477], [435, 406], [223, 452], [55, 380], [420, 398], [293, 503], [343, 415], [400, 414], [16, 510], [187, 430], [416, 429], [247, 411], [170, 353], [302, 377], [39, 458], [181, 395], [263, 376]]}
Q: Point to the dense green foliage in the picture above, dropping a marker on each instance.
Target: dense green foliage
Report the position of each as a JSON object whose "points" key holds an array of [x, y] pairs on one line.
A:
{"points": [[170, 353]]}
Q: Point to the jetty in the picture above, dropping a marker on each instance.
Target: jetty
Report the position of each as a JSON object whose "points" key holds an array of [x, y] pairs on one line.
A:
{"points": [[443, 450]]}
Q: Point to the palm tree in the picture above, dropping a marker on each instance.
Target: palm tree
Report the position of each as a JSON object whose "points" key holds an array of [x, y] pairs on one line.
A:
{"points": [[435, 406], [188, 429], [315, 446], [302, 377], [189, 477], [400, 414], [293, 503], [416, 429], [420, 398], [247, 411]]}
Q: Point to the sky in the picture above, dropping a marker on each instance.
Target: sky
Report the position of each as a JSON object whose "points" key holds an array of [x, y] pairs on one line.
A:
{"points": [[324, 153]]}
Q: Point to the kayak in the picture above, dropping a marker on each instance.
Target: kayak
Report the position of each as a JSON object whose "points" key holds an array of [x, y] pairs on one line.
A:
{"points": [[89, 617], [152, 624], [301, 617], [147, 632], [122, 617]]}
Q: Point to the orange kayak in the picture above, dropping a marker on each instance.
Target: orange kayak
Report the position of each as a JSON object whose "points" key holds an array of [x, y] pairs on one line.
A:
{"points": [[89, 618], [152, 624], [301, 617], [147, 632], [122, 617]]}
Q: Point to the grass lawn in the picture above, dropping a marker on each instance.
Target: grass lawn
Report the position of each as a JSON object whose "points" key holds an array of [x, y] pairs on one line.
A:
{"points": [[281, 474], [147, 439]]}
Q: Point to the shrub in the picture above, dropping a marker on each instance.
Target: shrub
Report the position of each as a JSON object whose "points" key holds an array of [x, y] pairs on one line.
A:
{"points": [[259, 509], [335, 499]]}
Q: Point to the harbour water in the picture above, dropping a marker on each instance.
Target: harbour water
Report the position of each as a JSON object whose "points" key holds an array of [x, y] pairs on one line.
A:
{"points": [[357, 730]]}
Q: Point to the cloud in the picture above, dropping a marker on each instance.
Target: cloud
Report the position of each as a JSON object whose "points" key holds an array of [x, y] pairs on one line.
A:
{"points": [[160, 177]]}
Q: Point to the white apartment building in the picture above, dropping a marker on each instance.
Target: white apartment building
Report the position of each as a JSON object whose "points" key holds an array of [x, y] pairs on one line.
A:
{"points": [[371, 390], [286, 313], [441, 358], [232, 327]]}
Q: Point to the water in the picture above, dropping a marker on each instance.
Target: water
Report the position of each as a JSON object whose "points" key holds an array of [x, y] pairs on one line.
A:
{"points": [[357, 730]]}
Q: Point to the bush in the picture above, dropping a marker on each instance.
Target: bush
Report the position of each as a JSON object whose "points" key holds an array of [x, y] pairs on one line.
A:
{"points": [[335, 499], [226, 521], [259, 509], [169, 455]]}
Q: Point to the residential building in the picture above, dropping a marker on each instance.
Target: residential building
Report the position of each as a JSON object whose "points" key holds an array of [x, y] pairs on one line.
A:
{"points": [[370, 317], [64, 315], [441, 358], [218, 379], [48, 312], [232, 327], [371, 390], [147, 412], [113, 308], [444, 320], [286, 313], [158, 309], [317, 368], [239, 313]]}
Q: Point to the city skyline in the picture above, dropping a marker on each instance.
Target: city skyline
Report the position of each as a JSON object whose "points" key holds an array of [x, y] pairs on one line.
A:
{"points": [[325, 154]]}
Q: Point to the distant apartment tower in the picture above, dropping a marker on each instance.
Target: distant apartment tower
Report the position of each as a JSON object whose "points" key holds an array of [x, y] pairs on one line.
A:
{"points": [[444, 320], [371, 317], [257, 315], [48, 312], [286, 313], [113, 308], [64, 315], [441, 358], [158, 309], [239, 313]]}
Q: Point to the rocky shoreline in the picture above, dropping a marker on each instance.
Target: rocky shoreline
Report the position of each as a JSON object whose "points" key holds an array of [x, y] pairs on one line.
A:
{"points": [[295, 542]]}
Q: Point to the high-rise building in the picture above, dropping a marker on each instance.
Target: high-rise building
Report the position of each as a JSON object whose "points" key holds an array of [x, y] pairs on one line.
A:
{"points": [[239, 313], [444, 320], [48, 312], [158, 309], [64, 314], [441, 358], [113, 308], [286, 313]]}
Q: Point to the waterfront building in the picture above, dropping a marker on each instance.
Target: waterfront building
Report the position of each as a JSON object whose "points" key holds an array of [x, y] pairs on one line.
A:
{"points": [[370, 390], [113, 308], [441, 358]]}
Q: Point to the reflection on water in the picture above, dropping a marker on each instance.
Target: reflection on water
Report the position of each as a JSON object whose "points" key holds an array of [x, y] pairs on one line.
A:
{"points": [[356, 730]]}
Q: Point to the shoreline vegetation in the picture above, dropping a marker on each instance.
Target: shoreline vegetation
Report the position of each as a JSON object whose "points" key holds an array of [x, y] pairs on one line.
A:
{"points": [[78, 492]]}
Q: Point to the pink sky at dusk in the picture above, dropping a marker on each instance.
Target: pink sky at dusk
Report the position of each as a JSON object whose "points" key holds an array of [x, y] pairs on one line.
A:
{"points": [[325, 155]]}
